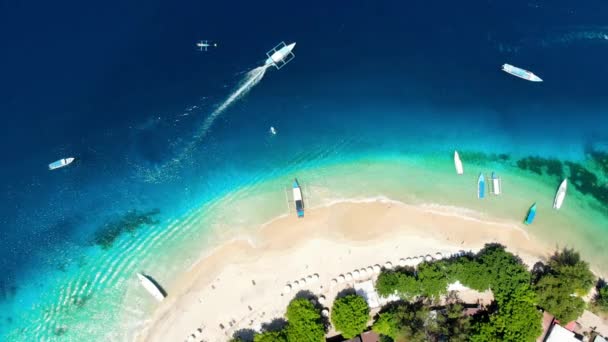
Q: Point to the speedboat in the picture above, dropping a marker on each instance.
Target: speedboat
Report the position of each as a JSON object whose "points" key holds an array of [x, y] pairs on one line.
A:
{"points": [[273, 131], [496, 184], [297, 198], [458, 163], [151, 287], [61, 163], [560, 194], [521, 73], [481, 186], [531, 214]]}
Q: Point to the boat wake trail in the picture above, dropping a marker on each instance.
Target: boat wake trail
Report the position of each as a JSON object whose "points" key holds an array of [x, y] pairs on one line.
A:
{"points": [[167, 170]]}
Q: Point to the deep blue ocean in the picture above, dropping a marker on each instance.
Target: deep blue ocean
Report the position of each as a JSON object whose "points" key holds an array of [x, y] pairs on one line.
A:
{"points": [[121, 86]]}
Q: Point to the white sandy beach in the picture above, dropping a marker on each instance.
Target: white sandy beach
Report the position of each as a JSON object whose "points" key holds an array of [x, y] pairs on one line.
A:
{"points": [[239, 284]]}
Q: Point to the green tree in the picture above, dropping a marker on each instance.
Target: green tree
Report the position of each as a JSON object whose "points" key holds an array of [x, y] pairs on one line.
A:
{"points": [[270, 336], [568, 266], [453, 324], [304, 322], [403, 322], [556, 296], [516, 319], [401, 282], [432, 279], [601, 299], [350, 315]]}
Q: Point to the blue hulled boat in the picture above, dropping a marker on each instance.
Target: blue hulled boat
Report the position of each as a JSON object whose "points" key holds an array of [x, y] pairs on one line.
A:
{"points": [[481, 186], [531, 214]]}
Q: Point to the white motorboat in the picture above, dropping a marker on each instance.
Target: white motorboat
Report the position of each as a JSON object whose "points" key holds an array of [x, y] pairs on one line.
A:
{"points": [[151, 287], [560, 194], [61, 163], [458, 163]]}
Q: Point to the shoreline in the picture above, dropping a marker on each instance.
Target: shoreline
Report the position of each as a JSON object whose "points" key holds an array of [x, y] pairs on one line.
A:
{"points": [[242, 279]]}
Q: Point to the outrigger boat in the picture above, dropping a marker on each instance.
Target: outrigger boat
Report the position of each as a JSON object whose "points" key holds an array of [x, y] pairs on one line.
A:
{"points": [[297, 198], [496, 184], [531, 214], [560, 194], [481, 186], [458, 163]]}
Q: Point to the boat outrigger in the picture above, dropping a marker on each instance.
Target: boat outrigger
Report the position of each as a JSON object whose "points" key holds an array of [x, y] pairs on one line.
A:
{"points": [[61, 163], [481, 186], [151, 287], [560, 194], [297, 198], [458, 163], [531, 214]]}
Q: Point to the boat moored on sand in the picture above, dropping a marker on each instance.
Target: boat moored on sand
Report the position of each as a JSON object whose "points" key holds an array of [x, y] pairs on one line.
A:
{"points": [[496, 184]]}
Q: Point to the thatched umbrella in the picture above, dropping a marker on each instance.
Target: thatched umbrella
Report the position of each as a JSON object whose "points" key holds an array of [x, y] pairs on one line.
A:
{"points": [[388, 265], [287, 288]]}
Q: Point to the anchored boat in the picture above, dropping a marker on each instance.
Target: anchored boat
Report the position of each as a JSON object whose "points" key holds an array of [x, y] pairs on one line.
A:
{"points": [[151, 287], [496, 184], [560, 194], [531, 214], [458, 163], [61, 163], [297, 198], [481, 186]]}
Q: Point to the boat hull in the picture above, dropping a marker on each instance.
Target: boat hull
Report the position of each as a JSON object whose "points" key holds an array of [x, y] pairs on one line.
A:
{"points": [[458, 164], [560, 195], [481, 186], [531, 214], [297, 198]]}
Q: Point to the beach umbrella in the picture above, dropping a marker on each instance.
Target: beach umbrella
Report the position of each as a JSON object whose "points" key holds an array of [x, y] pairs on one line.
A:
{"points": [[377, 268], [303, 282], [438, 256], [325, 313], [428, 258], [341, 278], [363, 272], [388, 265], [370, 270], [402, 262], [296, 283], [349, 276], [334, 282], [309, 279], [287, 288], [315, 277], [321, 300], [356, 274]]}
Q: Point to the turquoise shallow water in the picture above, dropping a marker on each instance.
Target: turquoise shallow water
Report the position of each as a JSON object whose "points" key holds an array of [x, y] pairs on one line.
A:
{"points": [[101, 284]]}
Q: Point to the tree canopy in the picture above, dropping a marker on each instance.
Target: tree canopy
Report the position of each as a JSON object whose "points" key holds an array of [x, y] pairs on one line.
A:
{"points": [[304, 322], [601, 299], [403, 321], [564, 279], [270, 336], [350, 315]]}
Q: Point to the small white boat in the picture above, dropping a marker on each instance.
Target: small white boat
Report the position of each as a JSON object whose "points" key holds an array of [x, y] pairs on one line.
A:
{"points": [[273, 131], [297, 197], [458, 163], [521, 73], [61, 163], [560, 194], [151, 287], [496, 184]]}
